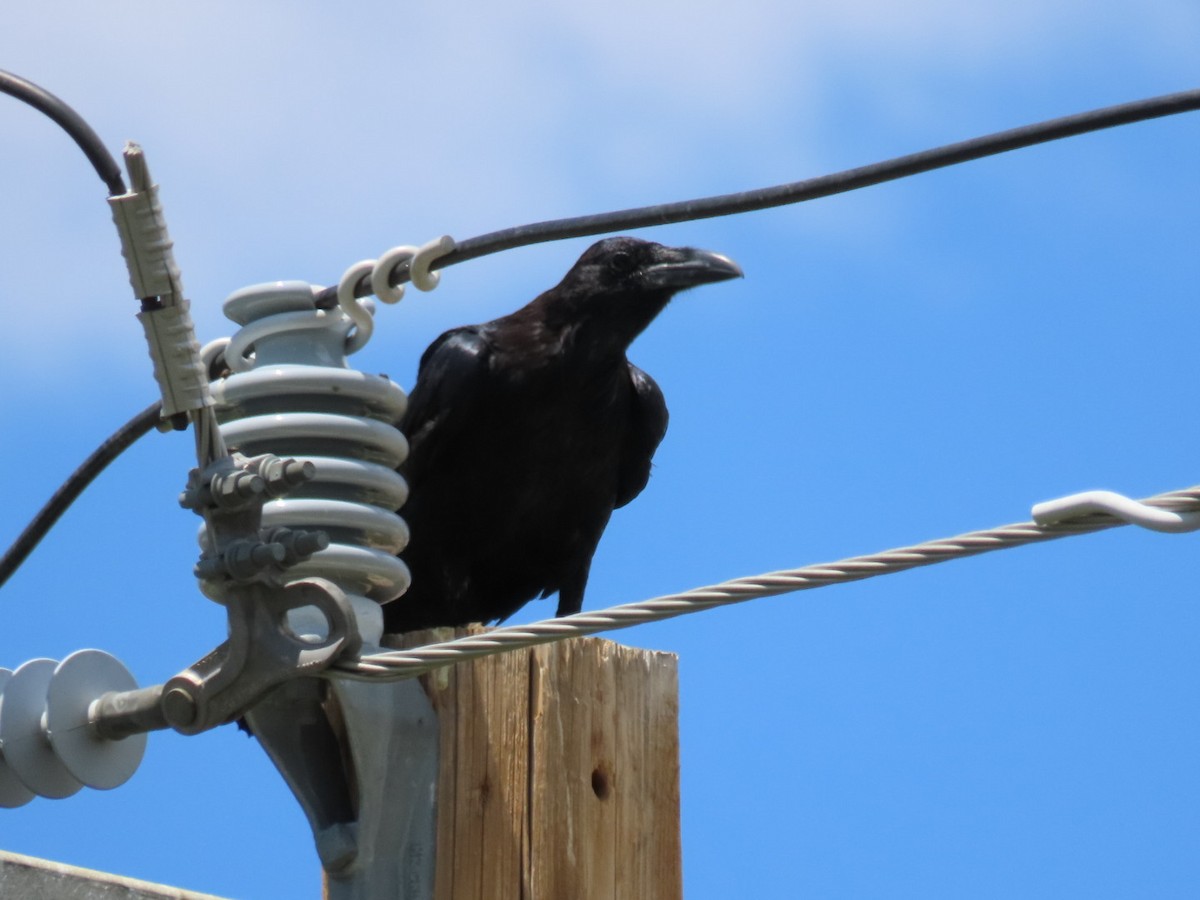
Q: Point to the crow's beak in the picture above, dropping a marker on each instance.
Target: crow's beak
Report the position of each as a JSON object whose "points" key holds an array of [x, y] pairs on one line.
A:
{"points": [[676, 268]]}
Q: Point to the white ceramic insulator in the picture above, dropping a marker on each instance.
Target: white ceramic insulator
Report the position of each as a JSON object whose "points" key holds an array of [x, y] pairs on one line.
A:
{"points": [[13, 792], [292, 395], [47, 745]]}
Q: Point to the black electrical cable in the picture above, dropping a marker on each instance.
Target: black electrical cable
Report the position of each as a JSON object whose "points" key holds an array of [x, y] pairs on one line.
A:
{"points": [[74, 486], [71, 122], [798, 191]]}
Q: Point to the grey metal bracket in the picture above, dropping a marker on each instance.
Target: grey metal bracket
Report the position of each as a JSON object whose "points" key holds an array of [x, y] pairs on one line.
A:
{"points": [[362, 760], [262, 652]]}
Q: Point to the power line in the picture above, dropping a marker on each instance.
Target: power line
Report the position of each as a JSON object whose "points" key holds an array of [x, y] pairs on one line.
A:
{"points": [[399, 664], [797, 191], [75, 485], [72, 123]]}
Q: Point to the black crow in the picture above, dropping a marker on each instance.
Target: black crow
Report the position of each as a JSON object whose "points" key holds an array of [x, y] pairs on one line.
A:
{"points": [[527, 432]]}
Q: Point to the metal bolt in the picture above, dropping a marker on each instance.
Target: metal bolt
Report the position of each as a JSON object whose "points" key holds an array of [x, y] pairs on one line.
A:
{"points": [[284, 474], [179, 708], [235, 488], [298, 545]]}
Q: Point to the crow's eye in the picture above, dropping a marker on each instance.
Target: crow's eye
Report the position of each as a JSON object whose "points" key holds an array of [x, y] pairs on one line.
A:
{"points": [[622, 263]]}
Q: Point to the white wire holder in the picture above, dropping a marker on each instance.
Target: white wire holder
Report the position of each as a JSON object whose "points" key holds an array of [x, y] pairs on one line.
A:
{"points": [[1110, 503]]}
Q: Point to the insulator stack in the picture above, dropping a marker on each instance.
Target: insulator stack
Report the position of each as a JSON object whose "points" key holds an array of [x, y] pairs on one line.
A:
{"points": [[49, 744], [291, 393]]}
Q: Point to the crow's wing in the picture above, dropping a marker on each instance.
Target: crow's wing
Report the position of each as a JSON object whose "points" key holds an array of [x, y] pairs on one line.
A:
{"points": [[447, 390], [646, 428]]}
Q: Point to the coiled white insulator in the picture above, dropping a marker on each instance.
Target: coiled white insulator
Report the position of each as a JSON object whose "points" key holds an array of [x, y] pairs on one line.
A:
{"points": [[291, 394]]}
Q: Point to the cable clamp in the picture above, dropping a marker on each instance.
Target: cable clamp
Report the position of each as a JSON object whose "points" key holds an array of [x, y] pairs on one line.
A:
{"points": [[179, 370], [147, 247], [262, 651], [145, 243], [1117, 505]]}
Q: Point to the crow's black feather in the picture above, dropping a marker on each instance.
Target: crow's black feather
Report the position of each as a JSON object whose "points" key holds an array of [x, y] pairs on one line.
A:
{"points": [[527, 431]]}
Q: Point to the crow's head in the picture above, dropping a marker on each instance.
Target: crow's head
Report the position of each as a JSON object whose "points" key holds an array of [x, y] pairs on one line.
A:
{"points": [[620, 284]]}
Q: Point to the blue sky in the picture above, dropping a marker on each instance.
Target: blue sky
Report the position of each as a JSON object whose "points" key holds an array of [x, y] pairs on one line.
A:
{"points": [[907, 362]]}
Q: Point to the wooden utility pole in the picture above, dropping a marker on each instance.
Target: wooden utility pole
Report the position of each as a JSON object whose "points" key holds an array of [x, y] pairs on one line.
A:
{"points": [[559, 774]]}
